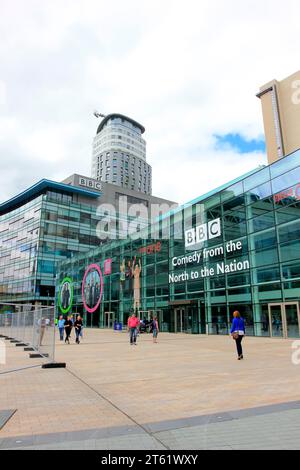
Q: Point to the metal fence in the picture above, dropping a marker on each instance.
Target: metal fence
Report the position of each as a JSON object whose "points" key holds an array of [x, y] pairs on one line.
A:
{"points": [[29, 324]]}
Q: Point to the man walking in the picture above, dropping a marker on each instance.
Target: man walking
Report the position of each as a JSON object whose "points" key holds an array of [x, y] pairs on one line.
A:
{"points": [[132, 326]]}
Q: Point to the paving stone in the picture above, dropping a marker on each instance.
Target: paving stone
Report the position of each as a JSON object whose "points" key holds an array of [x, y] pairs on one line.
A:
{"points": [[184, 391]]}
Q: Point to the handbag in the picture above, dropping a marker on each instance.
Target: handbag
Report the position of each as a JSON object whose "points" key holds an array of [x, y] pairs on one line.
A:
{"points": [[235, 334]]}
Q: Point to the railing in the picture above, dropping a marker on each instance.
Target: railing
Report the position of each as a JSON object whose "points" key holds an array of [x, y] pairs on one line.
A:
{"points": [[32, 326]]}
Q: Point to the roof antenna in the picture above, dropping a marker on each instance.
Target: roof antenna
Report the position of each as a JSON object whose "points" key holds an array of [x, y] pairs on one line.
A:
{"points": [[98, 115]]}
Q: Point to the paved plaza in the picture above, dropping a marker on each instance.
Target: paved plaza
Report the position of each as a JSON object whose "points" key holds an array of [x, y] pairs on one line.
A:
{"points": [[186, 392]]}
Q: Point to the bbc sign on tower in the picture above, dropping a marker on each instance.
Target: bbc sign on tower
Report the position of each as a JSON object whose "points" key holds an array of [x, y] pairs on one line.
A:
{"points": [[202, 233]]}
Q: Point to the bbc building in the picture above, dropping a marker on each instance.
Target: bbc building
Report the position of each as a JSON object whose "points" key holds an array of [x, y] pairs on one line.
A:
{"points": [[47, 223], [235, 248]]}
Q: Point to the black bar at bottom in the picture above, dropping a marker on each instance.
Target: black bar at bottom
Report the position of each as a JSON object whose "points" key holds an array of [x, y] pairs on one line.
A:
{"points": [[37, 355], [55, 365]]}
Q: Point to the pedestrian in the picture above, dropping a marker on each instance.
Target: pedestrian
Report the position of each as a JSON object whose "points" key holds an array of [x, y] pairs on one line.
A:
{"points": [[155, 329], [132, 327], [78, 327], [68, 329], [238, 332], [61, 327]]}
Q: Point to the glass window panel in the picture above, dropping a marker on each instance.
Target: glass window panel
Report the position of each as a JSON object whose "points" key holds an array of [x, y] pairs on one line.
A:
{"points": [[262, 222], [285, 164], [286, 181], [288, 214], [232, 191], [266, 257], [289, 232], [290, 251], [291, 271], [258, 178], [259, 193]]}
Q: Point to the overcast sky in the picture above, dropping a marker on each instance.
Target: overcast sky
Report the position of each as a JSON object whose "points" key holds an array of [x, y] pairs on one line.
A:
{"points": [[188, 71]]}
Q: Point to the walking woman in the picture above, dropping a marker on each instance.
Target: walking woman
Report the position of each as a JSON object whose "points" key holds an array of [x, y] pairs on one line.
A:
{"points": [[155, 329], [78, 327], [238, 332], [68, 328]]}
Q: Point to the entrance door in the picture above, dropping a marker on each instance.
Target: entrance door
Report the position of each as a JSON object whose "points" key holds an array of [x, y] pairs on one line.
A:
{"points": [[292, 317], [284, 320], [109, 319], [183, 320]]}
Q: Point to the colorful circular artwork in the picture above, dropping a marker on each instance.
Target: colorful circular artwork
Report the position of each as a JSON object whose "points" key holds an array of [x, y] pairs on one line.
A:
{"points": [[65, 295], [92, 288]]}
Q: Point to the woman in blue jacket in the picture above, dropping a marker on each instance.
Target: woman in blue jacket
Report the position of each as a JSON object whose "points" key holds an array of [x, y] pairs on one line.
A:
{"points": [[238, 332]]}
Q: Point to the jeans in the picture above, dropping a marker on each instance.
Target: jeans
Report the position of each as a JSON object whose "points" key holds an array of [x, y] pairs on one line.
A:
{"points": [[133, 334], [61, 333], [239, 345], [77, 334]]}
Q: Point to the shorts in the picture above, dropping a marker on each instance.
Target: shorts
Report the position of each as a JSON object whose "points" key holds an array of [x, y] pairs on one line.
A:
{"points": [[155, 333]]}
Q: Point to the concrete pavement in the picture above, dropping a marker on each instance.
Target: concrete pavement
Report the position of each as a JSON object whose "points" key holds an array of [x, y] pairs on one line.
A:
{"points": [[186, 392]]}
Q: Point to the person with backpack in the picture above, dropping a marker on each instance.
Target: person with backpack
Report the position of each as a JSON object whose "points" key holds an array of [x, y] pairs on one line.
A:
{"points": [[238, 332], [155, 329]]}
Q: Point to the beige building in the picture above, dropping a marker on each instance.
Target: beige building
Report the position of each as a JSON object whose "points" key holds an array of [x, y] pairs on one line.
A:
{"points": [[281, 113]]}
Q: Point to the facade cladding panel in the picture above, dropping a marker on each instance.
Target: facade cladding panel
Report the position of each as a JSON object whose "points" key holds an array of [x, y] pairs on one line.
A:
{"points": [[249, 261]]}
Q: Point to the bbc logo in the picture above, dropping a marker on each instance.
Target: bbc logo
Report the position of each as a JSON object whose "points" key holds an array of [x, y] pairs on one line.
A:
{"points": [[202, 233]]}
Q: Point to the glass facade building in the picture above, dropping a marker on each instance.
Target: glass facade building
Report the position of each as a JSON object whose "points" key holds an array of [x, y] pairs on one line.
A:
{"points": [[235, 248], [45, 224]]}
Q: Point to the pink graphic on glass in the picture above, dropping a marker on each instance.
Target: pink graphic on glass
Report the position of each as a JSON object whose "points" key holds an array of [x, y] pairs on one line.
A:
{"points": [[92, 288], [107, 267]]}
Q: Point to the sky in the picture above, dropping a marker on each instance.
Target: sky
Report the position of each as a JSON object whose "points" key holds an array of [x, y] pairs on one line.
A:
{"points": [[188, 71]]}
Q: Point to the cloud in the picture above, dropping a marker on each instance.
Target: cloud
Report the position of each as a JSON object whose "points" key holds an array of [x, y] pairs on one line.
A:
{"points": [[2, 93], [188, 72]]}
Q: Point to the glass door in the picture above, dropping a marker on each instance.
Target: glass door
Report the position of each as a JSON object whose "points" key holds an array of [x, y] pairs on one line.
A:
{"points": [[284, 320], [178, 320], [109, 319], [292, 320], [183, 320], [276, 321]]}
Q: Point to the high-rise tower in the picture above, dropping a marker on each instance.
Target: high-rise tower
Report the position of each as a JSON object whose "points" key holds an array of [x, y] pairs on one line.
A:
{"points": [[281, 112], [119, 154]]}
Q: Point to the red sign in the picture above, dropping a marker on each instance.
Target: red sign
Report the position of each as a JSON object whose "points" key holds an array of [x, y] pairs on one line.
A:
{"points": [[293, 192], [150, 249]]}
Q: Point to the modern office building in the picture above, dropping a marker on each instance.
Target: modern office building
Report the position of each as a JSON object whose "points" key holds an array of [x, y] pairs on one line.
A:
{"points": [[281, 113], [52, 221], [235, 248], [119, 154]]}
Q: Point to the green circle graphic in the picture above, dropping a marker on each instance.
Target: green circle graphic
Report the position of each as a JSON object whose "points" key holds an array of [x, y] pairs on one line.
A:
{"points": [[70, 281]]}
